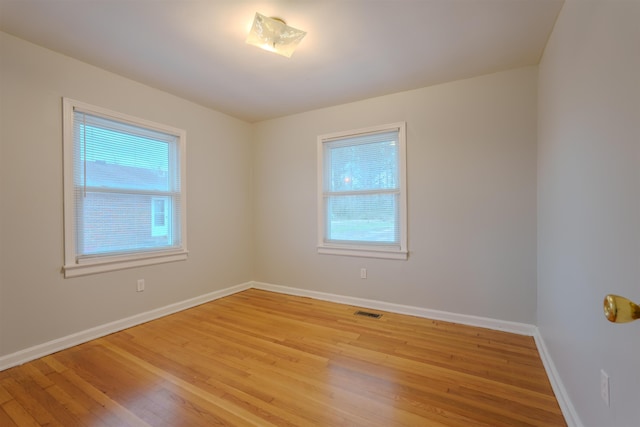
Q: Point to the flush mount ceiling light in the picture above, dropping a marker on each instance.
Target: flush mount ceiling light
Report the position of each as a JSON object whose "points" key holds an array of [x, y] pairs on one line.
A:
{"points": [[274, 35]]}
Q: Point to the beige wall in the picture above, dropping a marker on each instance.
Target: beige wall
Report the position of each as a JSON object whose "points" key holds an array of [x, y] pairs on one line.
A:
{"points": [[589, 203], [472, 199], [36, 303]]}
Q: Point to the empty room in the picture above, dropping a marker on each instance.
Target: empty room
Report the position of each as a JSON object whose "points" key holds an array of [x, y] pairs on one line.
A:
{"points": [[320, 213]]}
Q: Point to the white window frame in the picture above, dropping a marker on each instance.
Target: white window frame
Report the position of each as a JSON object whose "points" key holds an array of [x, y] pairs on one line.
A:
{"points": [[373, 250], [75, 266]]}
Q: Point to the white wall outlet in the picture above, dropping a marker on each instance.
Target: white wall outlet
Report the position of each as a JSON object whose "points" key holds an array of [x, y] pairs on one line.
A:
{"points": [[363, 273], [140, 285], [604, 386]]}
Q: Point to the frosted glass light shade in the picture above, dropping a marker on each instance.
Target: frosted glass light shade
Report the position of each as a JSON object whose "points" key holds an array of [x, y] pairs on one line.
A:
{"points": [[274, 35]]}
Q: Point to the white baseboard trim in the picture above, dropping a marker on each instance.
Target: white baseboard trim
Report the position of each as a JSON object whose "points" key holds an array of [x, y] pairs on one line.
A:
{"points": [[40, 350], [568, 411], [482, 322]]}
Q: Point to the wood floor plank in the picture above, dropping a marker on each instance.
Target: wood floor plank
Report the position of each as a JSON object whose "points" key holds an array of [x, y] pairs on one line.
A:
{"points": [[19, 415], [30, 399], [259, 358], [234, 415], [5, 419], [5, 396]]}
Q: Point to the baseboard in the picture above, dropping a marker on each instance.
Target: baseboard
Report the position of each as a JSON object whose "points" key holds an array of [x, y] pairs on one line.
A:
{"points": [[53, 346], [481, 322], [568, 411]]}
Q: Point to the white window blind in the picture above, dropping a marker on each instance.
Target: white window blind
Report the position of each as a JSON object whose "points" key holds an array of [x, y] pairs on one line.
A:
{"points": [[127, 190], [362, 202]]}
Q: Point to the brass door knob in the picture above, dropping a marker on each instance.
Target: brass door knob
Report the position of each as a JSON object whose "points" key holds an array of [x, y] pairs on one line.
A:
{"points": [[619, 309]]}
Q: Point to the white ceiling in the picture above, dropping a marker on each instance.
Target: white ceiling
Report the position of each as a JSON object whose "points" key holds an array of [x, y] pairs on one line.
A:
{"points": [[354, 49]]}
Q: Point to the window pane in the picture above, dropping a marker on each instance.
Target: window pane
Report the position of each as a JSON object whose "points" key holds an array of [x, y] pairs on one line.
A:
{"points": [[117, 155], [115, 223], [363, 218], [369, 166], [127, 187]]}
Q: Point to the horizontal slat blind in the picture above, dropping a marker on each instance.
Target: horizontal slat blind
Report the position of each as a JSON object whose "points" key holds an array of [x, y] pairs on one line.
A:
{"points": [[127, 187], [361, 189]]}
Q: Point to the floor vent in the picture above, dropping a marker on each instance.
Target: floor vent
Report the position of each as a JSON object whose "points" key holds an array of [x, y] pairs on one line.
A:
{"points": [[368, 314]]}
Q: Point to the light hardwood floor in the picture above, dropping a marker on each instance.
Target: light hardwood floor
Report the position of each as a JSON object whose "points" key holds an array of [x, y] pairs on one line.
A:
{"points": [[258, 358]]}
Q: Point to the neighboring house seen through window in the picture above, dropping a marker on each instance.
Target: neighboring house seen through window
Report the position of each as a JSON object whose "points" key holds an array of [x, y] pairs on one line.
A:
{"points": [[125, 202], [362, 192], [160, 218]]}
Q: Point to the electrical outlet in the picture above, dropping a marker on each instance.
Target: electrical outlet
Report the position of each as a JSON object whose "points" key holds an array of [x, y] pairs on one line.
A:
{"points": [[140, 285], [363, 273], [604, 386]]}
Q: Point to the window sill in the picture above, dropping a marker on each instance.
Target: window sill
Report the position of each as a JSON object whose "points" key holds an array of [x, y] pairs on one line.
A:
{"points": [[364, 252], [105, 264]]}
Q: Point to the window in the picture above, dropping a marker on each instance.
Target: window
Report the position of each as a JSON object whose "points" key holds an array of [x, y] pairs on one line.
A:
{"points": [[124, 185], [362, 192], [160, 216]]}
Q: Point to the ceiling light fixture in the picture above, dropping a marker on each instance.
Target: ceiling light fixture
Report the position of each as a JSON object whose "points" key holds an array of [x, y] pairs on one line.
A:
{"points": [[274, 35]]}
